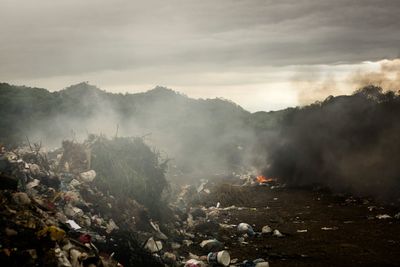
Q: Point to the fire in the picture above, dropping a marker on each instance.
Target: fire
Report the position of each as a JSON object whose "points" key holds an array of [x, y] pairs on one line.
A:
{"points": [[262, 179]]}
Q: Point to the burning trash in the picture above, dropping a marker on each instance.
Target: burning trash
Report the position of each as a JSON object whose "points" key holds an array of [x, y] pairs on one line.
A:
{"points": [[261, 179]]}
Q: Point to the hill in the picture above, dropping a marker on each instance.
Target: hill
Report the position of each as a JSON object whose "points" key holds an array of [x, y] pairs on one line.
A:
{"points": [[197, 134]]}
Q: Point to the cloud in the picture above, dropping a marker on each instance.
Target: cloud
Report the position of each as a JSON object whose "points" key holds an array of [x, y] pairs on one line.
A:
{"points": [[47, 38]]}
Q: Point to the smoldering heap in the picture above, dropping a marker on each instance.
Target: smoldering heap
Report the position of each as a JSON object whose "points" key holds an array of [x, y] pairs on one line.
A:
{"points": [[347, 143]]}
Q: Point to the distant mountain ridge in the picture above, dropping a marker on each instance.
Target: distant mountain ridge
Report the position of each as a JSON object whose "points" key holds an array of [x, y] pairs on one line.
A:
{"points": [[18, 99]]}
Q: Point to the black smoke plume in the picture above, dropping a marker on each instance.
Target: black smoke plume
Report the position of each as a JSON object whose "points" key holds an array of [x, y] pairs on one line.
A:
{"points": [[348, 143]]}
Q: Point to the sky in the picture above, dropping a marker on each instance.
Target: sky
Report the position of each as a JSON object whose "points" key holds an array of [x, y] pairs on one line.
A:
{"points": [[261, 54]]}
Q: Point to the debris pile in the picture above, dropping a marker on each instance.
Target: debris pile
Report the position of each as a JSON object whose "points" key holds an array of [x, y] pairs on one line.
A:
{"points": [[53, 214], [99, 204], [102, 203]]}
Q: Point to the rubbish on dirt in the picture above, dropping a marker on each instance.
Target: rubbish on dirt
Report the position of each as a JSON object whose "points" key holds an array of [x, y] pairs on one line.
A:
{"points": [[153, 246], [329, 228], [235, 260], [47, 200], [193, 256], [213, 214], [21, 198], [85, 238], [73, 224], [245, 228], [226, 226], [33, 184], [75, 183], [175, 245], [111, 226], [266, 229], [212, 245], [55, 233], [219, 258], [383, 216], [371, 208], [187, 242], [190, 221], [241, 241], [88, 176], [255, 263], [261, 263], [169, 258], [230, 208], [34, 169], [201, 187], [277, 233], [78, 204], [194, 263], [156, 227], [62, 258], [72, 212], [71, 197], [76, 257]]}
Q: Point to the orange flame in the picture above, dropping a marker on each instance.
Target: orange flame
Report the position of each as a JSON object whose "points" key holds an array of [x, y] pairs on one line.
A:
{"points": [[262, 179]]}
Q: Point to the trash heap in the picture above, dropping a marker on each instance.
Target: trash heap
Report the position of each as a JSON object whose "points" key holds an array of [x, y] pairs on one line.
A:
{"points": [[204, 233], [54, 214], [101, 203]]}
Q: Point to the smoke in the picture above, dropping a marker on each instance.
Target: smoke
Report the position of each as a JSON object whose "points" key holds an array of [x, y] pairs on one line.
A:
{"points": [[88, 112], [347, 143], [314, 87], [200, 137], [320, 83], [387, 77]]}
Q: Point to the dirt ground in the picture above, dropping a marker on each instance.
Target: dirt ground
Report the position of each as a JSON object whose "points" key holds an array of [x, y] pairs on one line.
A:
{"points": [[355, 236]]}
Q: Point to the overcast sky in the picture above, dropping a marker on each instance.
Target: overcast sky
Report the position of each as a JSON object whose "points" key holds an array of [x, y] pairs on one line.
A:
{"points": [[259, 54]]}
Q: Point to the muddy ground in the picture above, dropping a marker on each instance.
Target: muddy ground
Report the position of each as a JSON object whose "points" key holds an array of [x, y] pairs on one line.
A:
{"points": [[355, 236]]}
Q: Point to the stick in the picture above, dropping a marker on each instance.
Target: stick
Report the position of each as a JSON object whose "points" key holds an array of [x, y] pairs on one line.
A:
{"points": [[29, 143]]}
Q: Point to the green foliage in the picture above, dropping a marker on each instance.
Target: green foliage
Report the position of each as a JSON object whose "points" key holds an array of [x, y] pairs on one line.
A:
{"points": [[128, 167]]}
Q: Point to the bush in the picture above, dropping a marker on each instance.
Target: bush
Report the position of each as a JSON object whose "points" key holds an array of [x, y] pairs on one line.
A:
{"points": [[127, 167]]}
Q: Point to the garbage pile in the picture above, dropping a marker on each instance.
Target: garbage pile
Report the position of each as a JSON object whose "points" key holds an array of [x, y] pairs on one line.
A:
{"points": [[59, 209], [53, 214], [204, 234]]}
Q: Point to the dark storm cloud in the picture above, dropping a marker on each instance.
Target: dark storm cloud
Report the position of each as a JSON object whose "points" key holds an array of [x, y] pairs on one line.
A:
{"points": [[49, 38]]}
